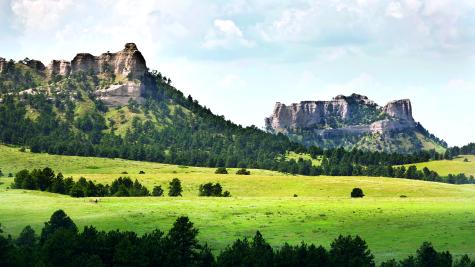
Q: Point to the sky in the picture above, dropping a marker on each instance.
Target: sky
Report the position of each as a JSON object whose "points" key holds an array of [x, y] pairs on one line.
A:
{"points": [[239, 57]]}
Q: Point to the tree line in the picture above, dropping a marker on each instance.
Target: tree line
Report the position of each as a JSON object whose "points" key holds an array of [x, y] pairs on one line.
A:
{"points": [[60, 243], [468, 149], [46, 180]]}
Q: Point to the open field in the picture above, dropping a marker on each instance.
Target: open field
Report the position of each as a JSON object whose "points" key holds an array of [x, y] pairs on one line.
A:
{"points": [[393, 226], [455, 166]]}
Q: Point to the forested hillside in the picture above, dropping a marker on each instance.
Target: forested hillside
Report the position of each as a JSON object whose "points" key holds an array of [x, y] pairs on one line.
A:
{"points": [[91, 107], [63, 115]]}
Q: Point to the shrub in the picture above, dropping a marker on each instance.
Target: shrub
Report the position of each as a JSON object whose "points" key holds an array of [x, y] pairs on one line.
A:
{"points": [[175, 188], [10, 174], [212, 190], [124, 173], [357, 192], [295, 195], [1, 173], [465, 160], [141, 172], [157, 191], [243, 171], [221, 170]]}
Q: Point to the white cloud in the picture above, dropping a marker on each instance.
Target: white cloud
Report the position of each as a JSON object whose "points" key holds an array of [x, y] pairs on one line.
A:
{"points": [[40, 15], [227, 27], [395, 10], [225, 34]]}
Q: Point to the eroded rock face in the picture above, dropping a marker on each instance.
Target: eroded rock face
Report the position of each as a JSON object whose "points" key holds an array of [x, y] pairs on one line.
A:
{"points": [[400, 109], [128, 63], [3, 64], [307, 114], [119, 95], [60, 67], [343, 115]]}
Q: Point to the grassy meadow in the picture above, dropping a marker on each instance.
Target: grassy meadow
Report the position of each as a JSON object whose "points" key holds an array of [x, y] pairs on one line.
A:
{"points": [[393, 226], [455, 166]]}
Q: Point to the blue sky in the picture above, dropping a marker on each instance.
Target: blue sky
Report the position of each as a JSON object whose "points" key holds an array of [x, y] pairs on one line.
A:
{"points": [[239, 57]]}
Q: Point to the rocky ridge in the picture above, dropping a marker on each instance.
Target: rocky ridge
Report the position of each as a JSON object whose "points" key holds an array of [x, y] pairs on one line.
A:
{"points": [[355, 113], [127, 66], [342, 121], [128, 63]]}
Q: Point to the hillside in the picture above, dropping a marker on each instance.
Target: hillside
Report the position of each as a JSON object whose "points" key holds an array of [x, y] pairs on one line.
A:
{"points": [[112, 106], [354, 121], [262, 201], [446, 167]]}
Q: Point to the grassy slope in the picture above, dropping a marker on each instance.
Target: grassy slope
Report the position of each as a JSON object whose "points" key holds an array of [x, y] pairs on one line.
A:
{"points": [[455, 166], [393, 226]]}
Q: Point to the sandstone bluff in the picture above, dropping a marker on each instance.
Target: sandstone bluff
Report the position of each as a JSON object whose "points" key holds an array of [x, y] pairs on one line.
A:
{"points": [[352, 121], [128, 67]]}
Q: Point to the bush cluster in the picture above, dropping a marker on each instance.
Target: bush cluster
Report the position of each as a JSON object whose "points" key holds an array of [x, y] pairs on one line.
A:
{"points": [[213, 190], [243, 171], [46, 180]]}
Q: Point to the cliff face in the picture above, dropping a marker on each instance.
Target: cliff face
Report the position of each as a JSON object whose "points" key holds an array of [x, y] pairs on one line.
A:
{"points": [[60, 67], [127, 63], [3, 64], [342, 121], [307, 114]]}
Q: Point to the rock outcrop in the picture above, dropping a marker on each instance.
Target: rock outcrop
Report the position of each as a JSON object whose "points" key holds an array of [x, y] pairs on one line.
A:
{"points": [[341, 120], [119, 95], [60, 67], [3, 64], [127, 63], [35, 64], [344, 111], [400, 109]]}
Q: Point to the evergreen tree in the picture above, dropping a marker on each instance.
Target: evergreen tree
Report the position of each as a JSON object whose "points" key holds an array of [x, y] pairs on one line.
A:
{"points": [[175, 189]]}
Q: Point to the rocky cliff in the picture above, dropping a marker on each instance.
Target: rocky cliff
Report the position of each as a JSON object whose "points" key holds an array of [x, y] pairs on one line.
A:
{"points": [[127, 63], [120, 76], [3, 64], [343, 121]]}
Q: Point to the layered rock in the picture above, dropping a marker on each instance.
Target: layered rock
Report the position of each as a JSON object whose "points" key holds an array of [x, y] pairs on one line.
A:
{"points": [[60, 67], [343, 115], [119, 95], [127, 63], [400, 109], [310, 114]]}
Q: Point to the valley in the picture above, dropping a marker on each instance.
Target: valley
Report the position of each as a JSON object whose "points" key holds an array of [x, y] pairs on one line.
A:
{"points": [[393, 226]]}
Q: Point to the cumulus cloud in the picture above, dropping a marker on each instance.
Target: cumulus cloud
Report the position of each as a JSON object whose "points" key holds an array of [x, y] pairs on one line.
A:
{"points": [[225, 34], [40, 15], [431, 27]]}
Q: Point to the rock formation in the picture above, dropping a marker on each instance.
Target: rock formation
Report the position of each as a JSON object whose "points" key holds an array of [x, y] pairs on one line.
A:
{"points": [[119, 95], [308, 114], [127, 63], [342, 121], [3, 64], [34, 64], [60, 67], [400, 109]]}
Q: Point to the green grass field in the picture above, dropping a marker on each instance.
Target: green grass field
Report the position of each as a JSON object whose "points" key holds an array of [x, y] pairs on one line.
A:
{"points": [[455, 166], [393, 226]]}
